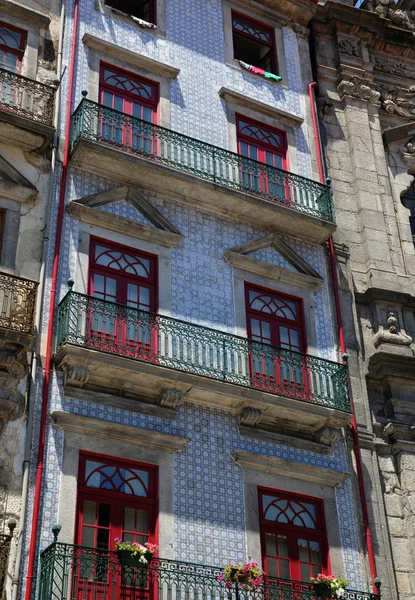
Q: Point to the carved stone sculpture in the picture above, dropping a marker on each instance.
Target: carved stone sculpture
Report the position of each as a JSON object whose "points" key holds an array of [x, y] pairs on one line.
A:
{"points": [[401, 13], [76, 374], [397, 101], [325, 107], [328, 435], [356, 88], [350, 47], [408, 152], [391, 334]]}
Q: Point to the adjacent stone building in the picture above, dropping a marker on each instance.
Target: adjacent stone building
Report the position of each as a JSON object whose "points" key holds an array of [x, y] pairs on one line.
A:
{"points": [[365, 67]]}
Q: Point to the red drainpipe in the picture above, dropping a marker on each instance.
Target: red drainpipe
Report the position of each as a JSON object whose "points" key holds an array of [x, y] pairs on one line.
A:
{"points": [[49, 341], [355, 435]]}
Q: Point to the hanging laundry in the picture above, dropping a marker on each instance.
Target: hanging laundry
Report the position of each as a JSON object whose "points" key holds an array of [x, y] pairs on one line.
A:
{"points": [[259, 71], [272, 76]]}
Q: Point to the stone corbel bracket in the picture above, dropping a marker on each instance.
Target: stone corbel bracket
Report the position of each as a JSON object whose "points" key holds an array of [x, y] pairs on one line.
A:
{"points": [[250, 416], [76, 374], [391, 334], [170, 398]]}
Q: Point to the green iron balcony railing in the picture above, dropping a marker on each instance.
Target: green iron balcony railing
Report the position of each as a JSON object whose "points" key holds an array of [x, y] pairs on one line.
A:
{"points": [[110, 127], [175, 344], [69, 572], [26, 97]]}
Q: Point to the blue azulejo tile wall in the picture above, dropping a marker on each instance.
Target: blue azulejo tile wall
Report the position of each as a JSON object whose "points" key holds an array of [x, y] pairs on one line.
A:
{"points": [[208, 486]]}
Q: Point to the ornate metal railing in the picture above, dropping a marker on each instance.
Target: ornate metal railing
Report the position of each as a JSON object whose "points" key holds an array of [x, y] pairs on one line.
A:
{"points": [[113, 128], [26, 97], [167, 342], [5, 541], [17, 302], [69, 571]]}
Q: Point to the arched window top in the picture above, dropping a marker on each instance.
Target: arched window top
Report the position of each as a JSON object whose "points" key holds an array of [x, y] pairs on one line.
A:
{"points": [[263, 34], [278, 307], [116, 478], [121, 261], [137, 87], [10, 37], [289, 512], [260, 134]]}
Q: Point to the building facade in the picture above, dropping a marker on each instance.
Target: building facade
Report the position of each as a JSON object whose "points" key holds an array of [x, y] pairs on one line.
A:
{"points": [[365, 70], [198, 398]]}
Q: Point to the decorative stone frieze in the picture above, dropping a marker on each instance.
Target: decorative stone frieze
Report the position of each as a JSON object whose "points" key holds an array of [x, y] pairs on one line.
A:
{"points": [[398, 102], [250, 416], [171, 398], [392, 67], [357, 89], [350, 47], [75, 374]]}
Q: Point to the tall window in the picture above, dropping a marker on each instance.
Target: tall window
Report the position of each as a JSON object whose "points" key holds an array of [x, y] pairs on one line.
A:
{"points": [[266, 145], [127, 277], [130, 95], [12, 47], [142, 9], [275, 319], [254, 43], [293, 536]]}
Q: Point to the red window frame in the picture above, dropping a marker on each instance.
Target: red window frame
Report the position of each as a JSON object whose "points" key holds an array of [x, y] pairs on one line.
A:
{"points": [[152, 10], [88, 578], [143, 344], [19, 52], [152, 102], [262, 146], [294, 533], [271, 44], [270, 373]]}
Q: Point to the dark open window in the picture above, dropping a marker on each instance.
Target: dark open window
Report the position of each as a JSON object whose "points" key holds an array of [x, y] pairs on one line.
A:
{"points": [[254, 43], [293, 535], [142, 9], [12, 47]]}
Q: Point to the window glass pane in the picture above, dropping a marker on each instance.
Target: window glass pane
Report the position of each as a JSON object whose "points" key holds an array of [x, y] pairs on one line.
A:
{"points": [[148, 114], [282, 546], [129, 519], [272, 567], [305, 572], [315, 552], [285, 569], [128, 537], [132, 294], [104, 515], [89, 513], [142, 521], [103, 539], [142, 539], [88, 537], [303, 550], [118, 103], [111, 477], [270, 544], [144, 298]]}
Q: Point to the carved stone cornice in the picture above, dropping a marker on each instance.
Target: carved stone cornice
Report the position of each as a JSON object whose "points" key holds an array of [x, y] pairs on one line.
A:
{"points": [[356, 88]]}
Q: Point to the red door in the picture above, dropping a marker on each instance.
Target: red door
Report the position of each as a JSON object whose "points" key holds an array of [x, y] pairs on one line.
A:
{"points": [[293, 536], [116, 499], [132, 96], [129, 279], [276, 319], [265, 145]]}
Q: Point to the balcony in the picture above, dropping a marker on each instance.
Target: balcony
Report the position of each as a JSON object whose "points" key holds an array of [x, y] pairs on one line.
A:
{"points": [[113, 144], [115, 344], [88, 573], [17, 305], [26, 111]]}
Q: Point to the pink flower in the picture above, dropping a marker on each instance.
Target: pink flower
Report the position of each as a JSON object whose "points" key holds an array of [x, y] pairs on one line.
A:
{"points": [[227, 585]]}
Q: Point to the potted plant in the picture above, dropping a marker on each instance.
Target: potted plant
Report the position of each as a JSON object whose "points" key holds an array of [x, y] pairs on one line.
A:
{"points": [[134, 554], [248, 576], [328, 586]]}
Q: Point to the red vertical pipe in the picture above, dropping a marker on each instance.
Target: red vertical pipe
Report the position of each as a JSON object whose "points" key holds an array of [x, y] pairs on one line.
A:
{"points": [[355, 435], [49, 339]]}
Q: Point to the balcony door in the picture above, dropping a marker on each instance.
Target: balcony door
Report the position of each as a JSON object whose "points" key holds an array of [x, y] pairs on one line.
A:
{"points": [[265, 145], [276, 319], [124, 283], [293, 537], [116, 499], [130, 96]]}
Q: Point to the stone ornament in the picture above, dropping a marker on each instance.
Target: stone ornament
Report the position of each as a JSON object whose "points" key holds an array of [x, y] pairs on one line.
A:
{"points": [[357, 89], [328, 435], [171, 398], [75, 374], [401, 13], [325, 107], [391, 333], [408, 152], [350, 47], [400, 69], [250, 416], [399, 102]]}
